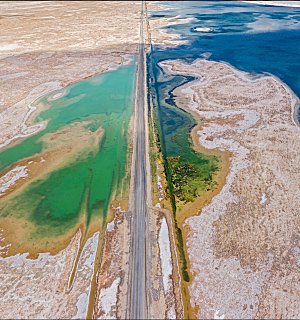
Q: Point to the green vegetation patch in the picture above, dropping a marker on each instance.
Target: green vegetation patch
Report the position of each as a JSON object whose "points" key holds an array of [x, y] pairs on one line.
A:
{"points": [[190, 179]]}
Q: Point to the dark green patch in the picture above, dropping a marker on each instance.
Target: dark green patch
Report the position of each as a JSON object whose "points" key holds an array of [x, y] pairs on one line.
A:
{"points": [[190, 180]]}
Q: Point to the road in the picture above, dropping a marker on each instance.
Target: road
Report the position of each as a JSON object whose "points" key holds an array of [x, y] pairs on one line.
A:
{"points": [[137, 277]]}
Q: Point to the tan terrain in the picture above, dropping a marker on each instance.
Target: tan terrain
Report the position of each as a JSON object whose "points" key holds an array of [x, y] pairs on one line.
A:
{"points": [[45, 46], [243, 247]]}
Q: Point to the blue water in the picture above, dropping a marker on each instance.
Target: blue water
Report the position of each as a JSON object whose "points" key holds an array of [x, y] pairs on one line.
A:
{"points": [[251, 37]]}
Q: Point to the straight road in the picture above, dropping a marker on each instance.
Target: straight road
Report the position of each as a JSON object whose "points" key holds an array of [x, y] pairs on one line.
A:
{"points": [[137, 276]]}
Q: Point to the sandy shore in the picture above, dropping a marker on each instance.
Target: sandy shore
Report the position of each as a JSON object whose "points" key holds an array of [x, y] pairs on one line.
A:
{"points": [[243, 247], [14, 119], [158, 34]]}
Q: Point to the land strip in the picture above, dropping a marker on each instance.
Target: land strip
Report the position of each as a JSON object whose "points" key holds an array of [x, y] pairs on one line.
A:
{"points": [[243, 245]]}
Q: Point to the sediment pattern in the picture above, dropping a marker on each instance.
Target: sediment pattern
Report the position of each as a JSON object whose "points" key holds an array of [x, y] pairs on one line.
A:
{"points": [[23, 296]]}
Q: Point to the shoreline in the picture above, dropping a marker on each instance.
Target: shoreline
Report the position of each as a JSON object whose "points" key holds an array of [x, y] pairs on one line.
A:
{"points": [[245, 75], [54, 86], [87, 233], [37, 287], [7, 172]]}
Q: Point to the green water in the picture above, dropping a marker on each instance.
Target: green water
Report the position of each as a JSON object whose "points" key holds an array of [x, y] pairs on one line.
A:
{"points": [[55, 202]]}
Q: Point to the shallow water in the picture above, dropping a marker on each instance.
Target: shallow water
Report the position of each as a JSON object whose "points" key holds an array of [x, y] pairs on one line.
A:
{"points": [[85, 184]]}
